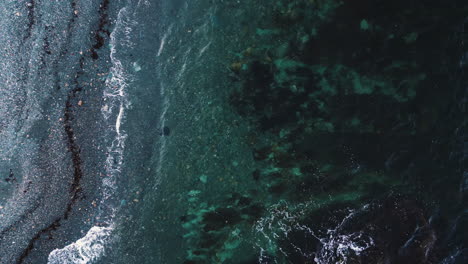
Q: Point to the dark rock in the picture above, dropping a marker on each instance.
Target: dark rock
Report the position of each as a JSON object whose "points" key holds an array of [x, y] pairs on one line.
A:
{"points": [[165, 131]]}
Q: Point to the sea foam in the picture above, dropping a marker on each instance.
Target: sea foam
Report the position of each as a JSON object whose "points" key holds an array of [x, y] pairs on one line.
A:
{"points": [[85, 250]]}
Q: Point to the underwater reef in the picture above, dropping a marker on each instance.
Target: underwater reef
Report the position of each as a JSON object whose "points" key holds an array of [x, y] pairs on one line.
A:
{"points": [[358, 125]]}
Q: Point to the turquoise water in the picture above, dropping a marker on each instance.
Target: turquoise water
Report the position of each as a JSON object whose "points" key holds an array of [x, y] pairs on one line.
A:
{"points": [[211, 131]]}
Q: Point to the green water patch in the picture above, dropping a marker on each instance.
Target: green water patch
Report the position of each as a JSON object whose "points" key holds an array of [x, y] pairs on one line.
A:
{"points": [[343, 102]]}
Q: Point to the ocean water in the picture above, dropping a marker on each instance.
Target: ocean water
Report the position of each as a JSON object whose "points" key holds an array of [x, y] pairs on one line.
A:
{"points": [[216, 131]]}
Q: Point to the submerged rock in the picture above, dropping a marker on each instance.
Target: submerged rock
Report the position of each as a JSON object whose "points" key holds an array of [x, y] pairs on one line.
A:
{"points": [[165, 131]]}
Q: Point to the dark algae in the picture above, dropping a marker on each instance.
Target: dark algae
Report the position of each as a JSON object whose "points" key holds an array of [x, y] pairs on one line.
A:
{"points": [[357, 120]]}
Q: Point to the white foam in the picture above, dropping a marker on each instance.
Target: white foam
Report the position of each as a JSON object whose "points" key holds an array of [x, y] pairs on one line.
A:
{"points": [[161, 46], [204, 49], [85, 250], [163, 41], [281, 221], [136, 67], [162, 149], [337, 245], [114, 112]]}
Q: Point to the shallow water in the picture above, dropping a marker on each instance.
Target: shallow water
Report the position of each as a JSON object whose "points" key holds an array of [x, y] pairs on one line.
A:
{"points": [[233, 132]]}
